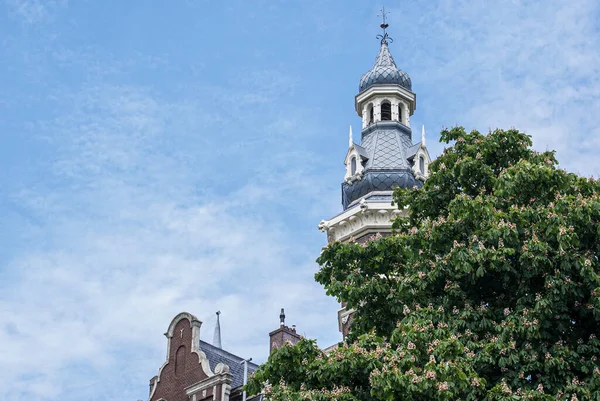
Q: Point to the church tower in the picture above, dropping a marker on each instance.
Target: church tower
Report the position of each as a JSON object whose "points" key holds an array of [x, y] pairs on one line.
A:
{"points": [[385, 158]]}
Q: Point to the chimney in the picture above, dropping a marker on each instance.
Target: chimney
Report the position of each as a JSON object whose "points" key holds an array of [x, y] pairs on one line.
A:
{"points": [[283, 334]]}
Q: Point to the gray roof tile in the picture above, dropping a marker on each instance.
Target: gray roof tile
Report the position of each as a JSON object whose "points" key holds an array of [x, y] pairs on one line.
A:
{"points": [[217, 355], [384, 72], [361, 151], [412, 151], [389, 146]]}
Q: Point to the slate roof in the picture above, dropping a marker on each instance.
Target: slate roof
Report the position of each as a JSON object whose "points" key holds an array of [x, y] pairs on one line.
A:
{"points": [[387, 149], [385, 180], [361, 151], [388, 145], [217, 355], [412, 151], [384, 72]]}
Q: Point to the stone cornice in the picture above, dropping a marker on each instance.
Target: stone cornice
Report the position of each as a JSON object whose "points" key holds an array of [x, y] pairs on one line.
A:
{"points": [[367, 217], [398, 90], [222, 377]]}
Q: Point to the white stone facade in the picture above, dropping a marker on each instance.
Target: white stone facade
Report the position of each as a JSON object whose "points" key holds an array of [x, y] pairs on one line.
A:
{"points": [[366, 218]]}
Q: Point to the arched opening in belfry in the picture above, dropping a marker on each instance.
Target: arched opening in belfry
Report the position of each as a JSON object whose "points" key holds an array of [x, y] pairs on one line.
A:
{"points": [[370, 114], [386, 111], [353, 166], [400, 112], [422, 164]]}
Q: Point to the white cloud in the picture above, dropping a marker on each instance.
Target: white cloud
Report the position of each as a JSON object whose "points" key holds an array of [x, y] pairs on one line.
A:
{"points": [[34, 11], [531, 65], [134, 238]]}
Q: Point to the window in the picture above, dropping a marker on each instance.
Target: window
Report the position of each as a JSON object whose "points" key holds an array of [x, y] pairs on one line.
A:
{"points": [[386, 111], [422, 164], [370, 114], [353, 166], [400, 112]]}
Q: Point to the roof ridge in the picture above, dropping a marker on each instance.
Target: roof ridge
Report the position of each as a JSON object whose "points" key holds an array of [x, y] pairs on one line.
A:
{"points": [[384, 57], [401, 147], [222, 351], [375, 153]]}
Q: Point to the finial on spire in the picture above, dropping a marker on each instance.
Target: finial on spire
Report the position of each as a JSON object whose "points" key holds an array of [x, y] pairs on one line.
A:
{"points": [[282, 318], [423, 135], [217, 335], [384, 38], [350, 140]]}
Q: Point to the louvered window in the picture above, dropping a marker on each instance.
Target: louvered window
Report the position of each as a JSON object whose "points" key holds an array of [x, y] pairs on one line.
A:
{"points": [[386, 112]]}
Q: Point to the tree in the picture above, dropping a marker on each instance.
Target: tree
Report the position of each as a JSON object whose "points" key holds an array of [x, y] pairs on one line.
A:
{"points": [[489, 289]]}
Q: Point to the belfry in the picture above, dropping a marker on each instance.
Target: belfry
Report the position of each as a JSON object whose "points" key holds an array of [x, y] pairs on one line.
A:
{"points": [[386, 157]]}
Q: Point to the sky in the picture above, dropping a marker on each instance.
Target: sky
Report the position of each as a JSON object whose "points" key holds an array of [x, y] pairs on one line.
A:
{"points": [[177, 155]]}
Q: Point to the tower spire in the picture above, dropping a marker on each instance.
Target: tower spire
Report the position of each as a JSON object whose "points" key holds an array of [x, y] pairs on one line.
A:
{"points": [[382, 158], [384, 26], [217, 335]]}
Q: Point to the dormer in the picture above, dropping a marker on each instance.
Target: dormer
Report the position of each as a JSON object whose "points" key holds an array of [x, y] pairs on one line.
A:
{"points": [[419, 158], [355, 160]]}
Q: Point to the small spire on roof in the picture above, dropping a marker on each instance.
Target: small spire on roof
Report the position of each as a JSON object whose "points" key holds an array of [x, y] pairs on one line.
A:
{"points": [[350, 141], [423, 135], [282, 318], [217, 335]]}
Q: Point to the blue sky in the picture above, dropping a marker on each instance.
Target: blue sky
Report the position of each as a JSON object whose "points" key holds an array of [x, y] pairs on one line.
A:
{"points": [[168, 156]]}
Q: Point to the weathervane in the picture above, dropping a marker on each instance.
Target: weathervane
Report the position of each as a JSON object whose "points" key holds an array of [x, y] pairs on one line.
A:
{"points": [[383, 26]]}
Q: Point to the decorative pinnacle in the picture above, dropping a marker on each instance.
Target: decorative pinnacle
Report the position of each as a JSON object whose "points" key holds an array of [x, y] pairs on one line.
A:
{"points": [[217, 334], [384, 38], [423, 135], [282, 318], [350, 140]]}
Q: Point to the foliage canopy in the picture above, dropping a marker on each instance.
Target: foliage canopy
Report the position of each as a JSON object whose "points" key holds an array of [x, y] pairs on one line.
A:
{"points": [[488, 290]]}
